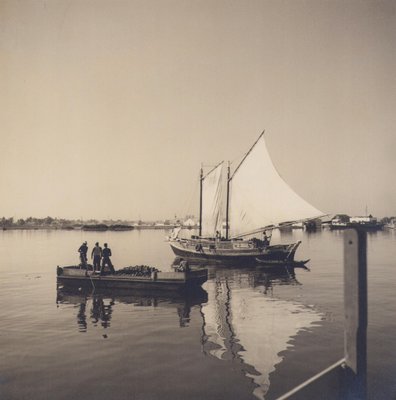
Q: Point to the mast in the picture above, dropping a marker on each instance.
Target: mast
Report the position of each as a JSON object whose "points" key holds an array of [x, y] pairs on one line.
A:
{"points": [[229, 177], [203, 177], [244, 158], [201, 194], [200, 200], [228, 198]]}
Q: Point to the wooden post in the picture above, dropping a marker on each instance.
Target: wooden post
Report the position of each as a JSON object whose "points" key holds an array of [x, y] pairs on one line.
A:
{"points": [[355, 304], [228, 200], [200, 201], [347, 378]]}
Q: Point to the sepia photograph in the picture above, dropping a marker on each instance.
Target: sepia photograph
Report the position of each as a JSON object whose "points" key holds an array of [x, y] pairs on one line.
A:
{"points": [[198, 199]]}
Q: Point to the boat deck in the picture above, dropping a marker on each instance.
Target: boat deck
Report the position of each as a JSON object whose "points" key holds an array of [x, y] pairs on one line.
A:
{"points": [[232, 252], [75, 275]]}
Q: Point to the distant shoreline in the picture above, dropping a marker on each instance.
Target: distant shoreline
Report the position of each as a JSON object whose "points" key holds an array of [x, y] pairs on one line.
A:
{"points": [[92, 229]]}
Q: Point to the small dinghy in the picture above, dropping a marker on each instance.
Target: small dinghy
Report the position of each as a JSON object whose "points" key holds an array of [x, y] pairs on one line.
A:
{"points": [[292, 263]]}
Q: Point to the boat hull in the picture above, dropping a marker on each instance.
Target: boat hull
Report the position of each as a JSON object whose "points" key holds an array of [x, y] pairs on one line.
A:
{"points": [[339, 226], [243, 253], [363, 226], [176, 281], [375, 226], [290, 264]]}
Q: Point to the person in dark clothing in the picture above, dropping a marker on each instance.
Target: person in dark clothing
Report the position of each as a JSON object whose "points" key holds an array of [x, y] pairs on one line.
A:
{"points": [[266, 239], [83, 250], [106, 259], [183, 266], [96, 255]]}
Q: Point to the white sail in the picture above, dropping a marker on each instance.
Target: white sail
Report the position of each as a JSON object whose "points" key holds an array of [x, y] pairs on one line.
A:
{"points": [[212, 202], [260, 197]]}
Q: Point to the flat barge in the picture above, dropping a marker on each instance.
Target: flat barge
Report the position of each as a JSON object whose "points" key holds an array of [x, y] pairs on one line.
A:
{"points": [[174, 280]]}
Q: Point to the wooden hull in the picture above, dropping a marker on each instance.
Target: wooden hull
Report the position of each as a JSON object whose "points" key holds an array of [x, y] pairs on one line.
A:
{"points": [[233, 253], [339, 226], [75, 276], [367, 226]]}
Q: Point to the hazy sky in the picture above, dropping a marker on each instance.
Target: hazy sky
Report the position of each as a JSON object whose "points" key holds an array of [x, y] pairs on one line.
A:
{"points": [[107, 108]]}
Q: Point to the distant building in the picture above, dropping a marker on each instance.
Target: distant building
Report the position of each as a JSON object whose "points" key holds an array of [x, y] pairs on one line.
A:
{"points": [[340, 221], [341, 218], [189, 223]]}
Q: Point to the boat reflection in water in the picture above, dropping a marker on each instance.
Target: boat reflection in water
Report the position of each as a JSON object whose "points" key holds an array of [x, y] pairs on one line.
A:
{"points": [[243, 321], [99, 304]]}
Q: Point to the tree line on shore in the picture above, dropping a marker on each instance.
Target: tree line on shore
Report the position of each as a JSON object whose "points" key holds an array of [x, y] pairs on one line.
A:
{"points": [[30, 221], [62, 223], [12, 222]]}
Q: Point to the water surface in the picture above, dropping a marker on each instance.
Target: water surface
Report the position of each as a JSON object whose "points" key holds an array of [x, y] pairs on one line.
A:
{"points": [[248, 334]]}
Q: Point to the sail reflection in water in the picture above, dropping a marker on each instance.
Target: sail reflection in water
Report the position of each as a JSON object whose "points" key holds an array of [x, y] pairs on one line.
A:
{"points": [[98, 306], [243, 321]]}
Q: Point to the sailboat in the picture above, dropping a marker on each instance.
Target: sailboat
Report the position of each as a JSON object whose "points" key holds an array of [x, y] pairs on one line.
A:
{"points": [[257, 201]]}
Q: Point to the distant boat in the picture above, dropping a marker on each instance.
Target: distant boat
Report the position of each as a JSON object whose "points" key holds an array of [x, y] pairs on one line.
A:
{"points": [[366, 222], [286, 226], [67, 227], [391, 224], [342, 221], [121, 227], [298, 225], [257, 201], [313, 225], [104, 227], [95, 227]]}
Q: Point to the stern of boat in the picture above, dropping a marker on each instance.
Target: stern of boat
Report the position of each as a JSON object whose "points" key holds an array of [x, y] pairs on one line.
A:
{"points": [[279, 253], [292, 250], [198, 276]]}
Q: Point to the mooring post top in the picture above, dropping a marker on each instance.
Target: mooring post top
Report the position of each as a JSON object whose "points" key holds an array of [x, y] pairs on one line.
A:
{"points": [[355, 247]]}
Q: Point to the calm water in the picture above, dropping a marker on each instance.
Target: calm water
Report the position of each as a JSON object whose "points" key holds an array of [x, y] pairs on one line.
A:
{"points": [[248, 334]]}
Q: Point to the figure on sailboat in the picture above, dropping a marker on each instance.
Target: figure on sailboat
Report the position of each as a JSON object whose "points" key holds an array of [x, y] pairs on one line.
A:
{"points": [[258, 200]]}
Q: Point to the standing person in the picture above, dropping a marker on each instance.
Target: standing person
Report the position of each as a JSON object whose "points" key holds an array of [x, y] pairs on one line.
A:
{"points": [[183, 265], [83, 250], [106, 259], [96, 255], [266, 239]]}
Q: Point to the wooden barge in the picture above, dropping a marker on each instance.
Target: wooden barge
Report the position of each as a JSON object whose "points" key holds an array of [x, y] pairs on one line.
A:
{"points": [[157, 280]]}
